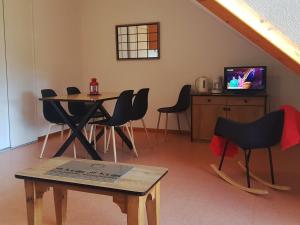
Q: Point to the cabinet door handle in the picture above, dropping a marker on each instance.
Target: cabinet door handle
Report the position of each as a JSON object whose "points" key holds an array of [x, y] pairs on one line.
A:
{"points": [[245, 100], [228, 109], [209, 100]]}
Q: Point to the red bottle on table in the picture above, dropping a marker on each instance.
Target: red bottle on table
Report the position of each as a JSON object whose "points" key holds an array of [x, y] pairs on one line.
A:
{"points": [[94, 87]]}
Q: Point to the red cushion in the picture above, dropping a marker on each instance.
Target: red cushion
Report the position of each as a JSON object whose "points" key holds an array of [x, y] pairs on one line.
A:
{"points": [[290, 134], [217, 146], [291, 128]]}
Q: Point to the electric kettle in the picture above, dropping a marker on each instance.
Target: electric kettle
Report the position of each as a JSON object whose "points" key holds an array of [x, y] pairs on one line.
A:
{"points": [[201, 84]]}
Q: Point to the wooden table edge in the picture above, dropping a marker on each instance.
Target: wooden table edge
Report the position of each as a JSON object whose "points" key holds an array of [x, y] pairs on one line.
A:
{"points": [[18, 176], [76, 100]]}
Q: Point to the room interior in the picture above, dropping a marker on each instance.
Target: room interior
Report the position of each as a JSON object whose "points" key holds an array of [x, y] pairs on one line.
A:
{"points": [[65, 43]]}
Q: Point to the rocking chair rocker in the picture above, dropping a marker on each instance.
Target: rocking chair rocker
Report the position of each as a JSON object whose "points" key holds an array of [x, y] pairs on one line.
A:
{"points": [[262, 133]]}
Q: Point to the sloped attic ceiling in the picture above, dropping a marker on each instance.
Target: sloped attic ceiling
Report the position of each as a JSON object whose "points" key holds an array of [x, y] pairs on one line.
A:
{"points": [[239, 15]]}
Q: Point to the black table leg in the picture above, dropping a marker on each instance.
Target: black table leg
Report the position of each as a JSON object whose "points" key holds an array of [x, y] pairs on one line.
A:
{"points": [[77, 130], [117, 129]]}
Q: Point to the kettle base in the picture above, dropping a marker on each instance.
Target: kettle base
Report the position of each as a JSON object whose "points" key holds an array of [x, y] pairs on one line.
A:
{"points": [[216, 91]]}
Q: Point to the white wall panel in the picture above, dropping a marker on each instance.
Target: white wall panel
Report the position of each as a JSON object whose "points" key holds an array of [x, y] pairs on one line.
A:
{"points": [[20, 71], [4, 124]]}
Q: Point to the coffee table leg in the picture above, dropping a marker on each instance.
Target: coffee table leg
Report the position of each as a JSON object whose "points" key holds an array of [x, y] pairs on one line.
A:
{"points": [[135, 210], [60, 201], [153, 206], [34, 202]]}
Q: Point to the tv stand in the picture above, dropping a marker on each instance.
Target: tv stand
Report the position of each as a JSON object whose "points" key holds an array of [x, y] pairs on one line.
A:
{"points": [[243, 93], [206, 108]]}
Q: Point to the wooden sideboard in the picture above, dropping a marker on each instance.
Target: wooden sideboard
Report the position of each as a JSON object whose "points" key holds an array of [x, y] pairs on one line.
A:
{"points": [[206, 108]]}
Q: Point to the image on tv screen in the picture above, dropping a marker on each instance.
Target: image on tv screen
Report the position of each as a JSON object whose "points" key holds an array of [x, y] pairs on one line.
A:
{"points": [[245, 78]]}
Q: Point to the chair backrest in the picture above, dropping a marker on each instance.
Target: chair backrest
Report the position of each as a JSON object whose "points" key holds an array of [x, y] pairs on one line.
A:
{"points": [[76, 108], [140, 104], [184, 98], [49, 112], [73, 90], [123, 109], [262, 133], [271, 127]]}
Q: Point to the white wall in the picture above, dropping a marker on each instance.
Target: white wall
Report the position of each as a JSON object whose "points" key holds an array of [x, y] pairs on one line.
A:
{"points": [[20, 71], [4, 128], [59, 43], [57, 48], [193, 43], [283, 14], [42, 51]]}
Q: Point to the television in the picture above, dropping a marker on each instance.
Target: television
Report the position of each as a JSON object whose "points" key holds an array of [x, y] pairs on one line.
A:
{"points": [[245, 79]]}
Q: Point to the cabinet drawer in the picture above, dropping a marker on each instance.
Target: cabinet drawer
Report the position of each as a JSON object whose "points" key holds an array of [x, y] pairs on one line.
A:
{"points": [[257, 101], [209, 100]]}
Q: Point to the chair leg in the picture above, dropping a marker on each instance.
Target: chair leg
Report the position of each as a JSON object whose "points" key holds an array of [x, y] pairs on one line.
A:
{"points": [[74, 150], [158, 121], [114, 143], [166, 127], [223, 155], [144, 125], [61, 133], [85, 133], [132, 140], [187, 119], [94, 135], [131, 128], [108, 140], [91, 132], [74, 146], [178, 123], [247, 158], [69, 133], [123, 128], [271, 165], [46, 139], [104, 141]]}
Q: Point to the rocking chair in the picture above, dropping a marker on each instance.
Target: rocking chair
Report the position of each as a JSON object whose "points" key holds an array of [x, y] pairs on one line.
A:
{"points": [[262, 133]]}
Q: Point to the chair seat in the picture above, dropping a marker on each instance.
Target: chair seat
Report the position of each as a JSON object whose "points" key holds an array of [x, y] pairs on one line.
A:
{"points": [[261, 133], [76, 119], [171, 109], [98, 114], [108, 122], [60, 121]]}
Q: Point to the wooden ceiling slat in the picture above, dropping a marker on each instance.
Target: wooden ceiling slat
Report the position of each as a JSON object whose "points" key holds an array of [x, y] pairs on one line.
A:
{"points": [[253, 35]]}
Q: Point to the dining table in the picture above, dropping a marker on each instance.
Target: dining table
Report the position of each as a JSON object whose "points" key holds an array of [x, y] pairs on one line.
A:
{"points": [[96, 103]]}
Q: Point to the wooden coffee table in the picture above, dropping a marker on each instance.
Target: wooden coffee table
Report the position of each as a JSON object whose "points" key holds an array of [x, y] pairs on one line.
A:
{"points": [[134, 188]]}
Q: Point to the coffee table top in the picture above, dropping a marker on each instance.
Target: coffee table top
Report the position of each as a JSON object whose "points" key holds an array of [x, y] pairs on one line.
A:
{"points": [[118, 177]]}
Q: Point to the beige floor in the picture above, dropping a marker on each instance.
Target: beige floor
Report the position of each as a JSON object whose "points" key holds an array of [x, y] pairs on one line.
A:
{"points": [[191, 194]]}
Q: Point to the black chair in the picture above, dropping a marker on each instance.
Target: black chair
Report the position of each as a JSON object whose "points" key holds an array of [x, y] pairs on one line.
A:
{"points": [[182, 105], [139, 108], [260, 134], [121, 116], [53, 117], [80, 108]]}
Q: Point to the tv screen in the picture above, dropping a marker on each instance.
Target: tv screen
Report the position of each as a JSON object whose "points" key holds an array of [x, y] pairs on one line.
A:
{"points": [[248, 78]]}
